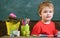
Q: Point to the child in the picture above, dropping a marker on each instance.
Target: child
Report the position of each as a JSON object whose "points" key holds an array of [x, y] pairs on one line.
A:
{"points": [[12, 24], [45, 26]]}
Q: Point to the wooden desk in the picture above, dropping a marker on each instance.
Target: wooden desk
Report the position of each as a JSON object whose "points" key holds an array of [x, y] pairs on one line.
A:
{"points": [[27, 37]]}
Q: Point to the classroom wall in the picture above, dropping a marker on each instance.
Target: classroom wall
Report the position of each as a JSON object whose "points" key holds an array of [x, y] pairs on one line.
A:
{"points": [[24, 8]]}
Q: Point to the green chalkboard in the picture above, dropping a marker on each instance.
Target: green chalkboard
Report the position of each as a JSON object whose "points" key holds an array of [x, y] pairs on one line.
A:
{"points": [[24, 8]]}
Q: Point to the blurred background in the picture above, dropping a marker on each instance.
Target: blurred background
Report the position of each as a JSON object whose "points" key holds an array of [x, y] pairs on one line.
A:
{"points": [[24, 8]]}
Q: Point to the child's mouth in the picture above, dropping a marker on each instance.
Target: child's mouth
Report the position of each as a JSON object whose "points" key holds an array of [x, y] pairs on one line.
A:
{"points": [[48, 16]]}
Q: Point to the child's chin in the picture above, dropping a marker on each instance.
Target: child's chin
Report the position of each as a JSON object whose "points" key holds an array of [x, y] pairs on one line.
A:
{"points": [[48, 19]]}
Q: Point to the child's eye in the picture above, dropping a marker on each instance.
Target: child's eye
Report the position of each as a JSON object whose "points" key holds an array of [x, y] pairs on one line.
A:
{"points": [[45, 11], [50, 11]]}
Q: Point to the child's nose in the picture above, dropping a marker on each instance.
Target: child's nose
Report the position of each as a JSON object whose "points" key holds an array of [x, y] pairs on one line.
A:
{"points": [[48, 13]]}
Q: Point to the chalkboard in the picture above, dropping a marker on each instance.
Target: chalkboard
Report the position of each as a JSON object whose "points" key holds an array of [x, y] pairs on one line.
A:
{"points": [[24, 8]]}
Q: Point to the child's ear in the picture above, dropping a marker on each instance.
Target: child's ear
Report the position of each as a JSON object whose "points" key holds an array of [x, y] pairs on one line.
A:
{"points": [[40, 15]]}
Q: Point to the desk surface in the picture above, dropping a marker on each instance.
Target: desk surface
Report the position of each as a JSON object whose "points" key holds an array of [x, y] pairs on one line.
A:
{"points": [[27, 37]]}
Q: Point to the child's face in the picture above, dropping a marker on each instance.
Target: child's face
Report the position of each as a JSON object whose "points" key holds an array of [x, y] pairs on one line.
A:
{"points": [[47, 13]]}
